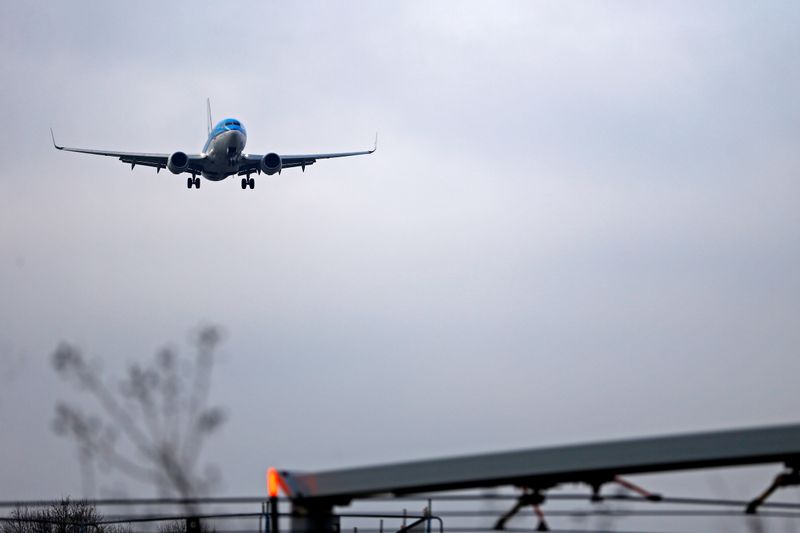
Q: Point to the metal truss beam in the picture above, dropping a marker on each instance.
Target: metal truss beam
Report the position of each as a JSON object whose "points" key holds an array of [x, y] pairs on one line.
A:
{"points": [[541, 468]]}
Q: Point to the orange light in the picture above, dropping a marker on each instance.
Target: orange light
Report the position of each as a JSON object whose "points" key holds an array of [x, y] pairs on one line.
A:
{"points": [[273, 482]]}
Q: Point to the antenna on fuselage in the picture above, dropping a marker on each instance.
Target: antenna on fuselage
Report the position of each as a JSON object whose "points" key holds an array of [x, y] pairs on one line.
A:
{"points": [[208, 112]]}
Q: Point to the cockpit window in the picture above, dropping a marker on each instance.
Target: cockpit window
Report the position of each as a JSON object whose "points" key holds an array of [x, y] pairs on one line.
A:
{"points": [[229, 123]]}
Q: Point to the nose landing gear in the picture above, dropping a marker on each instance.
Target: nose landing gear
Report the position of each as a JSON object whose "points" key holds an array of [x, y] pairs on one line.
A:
{"points": [[248, 182]]}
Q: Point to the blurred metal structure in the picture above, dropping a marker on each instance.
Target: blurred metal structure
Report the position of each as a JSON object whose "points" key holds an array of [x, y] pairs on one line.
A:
{"points": [[314, 494], [465, 512]]}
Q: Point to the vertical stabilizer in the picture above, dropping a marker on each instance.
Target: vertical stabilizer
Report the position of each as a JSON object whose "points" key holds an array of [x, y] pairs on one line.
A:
{"points": [[208, 112]]}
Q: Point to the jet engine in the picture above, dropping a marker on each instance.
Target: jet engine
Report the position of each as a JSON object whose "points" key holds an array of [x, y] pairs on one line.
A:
{"points": [[178, 162], [271, 163]]}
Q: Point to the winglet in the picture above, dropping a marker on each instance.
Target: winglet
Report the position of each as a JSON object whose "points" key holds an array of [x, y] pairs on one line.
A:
{"points": [[375, 147], [52, 136]]}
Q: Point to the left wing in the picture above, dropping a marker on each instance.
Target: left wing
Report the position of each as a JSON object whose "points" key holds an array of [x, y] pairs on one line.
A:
{"points": [[158, 161], [251, 162]]}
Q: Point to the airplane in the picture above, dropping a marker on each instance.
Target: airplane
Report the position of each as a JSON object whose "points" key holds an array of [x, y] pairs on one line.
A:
{"points": [[222, 156]]}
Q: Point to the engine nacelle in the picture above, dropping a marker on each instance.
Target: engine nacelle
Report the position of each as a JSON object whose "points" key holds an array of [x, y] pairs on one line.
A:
{"points": [[271, 163], [178, 162]]}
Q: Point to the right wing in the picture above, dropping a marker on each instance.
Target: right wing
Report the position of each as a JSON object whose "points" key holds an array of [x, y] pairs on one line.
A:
{"points": [[158, 161], [251, 162]]}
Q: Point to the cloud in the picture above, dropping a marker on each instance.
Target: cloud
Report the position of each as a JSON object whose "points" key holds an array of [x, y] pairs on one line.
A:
{"points": [[570, 205]]}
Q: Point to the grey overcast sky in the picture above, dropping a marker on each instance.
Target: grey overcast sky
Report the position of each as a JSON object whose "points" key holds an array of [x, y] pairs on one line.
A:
{"points": [[581, 222]]}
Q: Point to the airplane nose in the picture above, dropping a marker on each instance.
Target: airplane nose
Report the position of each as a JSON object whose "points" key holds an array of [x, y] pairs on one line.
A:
{"points": [[234, 136], [240, 137], [235, 140]]}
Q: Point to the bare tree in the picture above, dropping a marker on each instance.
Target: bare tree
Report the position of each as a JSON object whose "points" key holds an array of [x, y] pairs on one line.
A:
{"points": [[67, 516], [152, 425]]}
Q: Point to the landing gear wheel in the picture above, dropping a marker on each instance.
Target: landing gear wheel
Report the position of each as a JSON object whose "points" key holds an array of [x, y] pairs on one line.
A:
{"points": [[189, 182], [251, 183], [244, 183], [197, 182]]}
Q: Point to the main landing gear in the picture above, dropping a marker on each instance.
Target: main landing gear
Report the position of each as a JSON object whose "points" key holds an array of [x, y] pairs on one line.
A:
{"points": [[193, 182], [248, 182]]}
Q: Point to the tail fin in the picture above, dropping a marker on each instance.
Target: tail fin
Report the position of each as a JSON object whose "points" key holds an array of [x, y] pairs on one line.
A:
{"points": [[208, 111]]}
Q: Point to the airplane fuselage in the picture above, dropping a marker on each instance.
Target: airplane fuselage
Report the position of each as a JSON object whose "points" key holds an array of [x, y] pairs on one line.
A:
{"points": [[223, 149]]}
